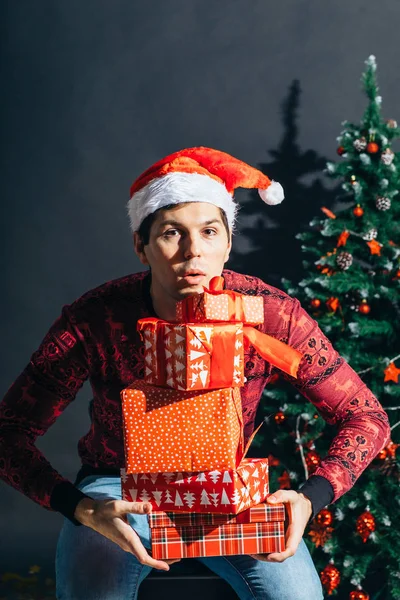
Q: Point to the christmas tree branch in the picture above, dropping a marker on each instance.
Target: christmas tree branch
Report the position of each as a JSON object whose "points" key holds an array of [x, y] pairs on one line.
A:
{"points": [[382, 360], [298, 441]]}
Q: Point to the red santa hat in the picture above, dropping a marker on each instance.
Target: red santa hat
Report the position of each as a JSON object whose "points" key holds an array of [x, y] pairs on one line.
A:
{"points": [[197, 175]]}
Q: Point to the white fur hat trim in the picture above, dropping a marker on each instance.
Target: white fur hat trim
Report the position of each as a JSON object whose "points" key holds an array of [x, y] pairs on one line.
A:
{"points": [[176, 188]]}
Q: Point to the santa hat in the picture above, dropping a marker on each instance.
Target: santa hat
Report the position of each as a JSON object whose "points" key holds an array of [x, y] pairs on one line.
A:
{"points": [[197, 175]]}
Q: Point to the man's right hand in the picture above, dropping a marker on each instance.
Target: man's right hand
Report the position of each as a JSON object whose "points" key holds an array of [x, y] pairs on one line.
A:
{"points": [[109, 518]]}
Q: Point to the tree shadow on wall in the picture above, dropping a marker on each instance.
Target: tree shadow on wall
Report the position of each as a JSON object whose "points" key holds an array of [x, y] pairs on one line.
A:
{"points": [[265, 243]]}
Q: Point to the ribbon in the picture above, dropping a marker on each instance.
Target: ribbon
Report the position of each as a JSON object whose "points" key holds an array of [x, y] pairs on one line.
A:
{"points": [[286, 358], [278, 354]]}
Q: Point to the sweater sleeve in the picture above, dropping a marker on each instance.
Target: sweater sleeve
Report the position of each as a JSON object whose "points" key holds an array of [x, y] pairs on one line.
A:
{"points": [[51, 380], [343, 400]]}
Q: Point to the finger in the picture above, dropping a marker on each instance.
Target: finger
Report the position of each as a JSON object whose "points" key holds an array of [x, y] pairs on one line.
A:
{"points": [[171, 561], [278, 557], [292, 540], [262, 557], [122, 507], [137, 549], [294, 534]]}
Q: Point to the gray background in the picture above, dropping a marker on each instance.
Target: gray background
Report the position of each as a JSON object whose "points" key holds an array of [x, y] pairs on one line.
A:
{"points": [[93, 92]]}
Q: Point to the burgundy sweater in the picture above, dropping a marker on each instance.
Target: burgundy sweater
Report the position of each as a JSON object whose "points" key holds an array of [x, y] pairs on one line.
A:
{"points": [[95, 338]]}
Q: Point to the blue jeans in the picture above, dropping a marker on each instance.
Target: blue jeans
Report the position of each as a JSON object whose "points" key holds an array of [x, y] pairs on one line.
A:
{"points": [[91, 567]]}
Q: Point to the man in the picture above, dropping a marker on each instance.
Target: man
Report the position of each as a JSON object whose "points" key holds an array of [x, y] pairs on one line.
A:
{"points": [[182, 215]]}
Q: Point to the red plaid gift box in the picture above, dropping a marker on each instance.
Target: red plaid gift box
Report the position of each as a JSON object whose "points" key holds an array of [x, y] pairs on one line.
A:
{"points": [[189, 541], [217, 491], [192, 356], [261, 513]]}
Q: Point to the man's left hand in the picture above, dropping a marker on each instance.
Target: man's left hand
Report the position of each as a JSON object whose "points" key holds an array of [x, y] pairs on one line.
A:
{"points": [[299, 510]]}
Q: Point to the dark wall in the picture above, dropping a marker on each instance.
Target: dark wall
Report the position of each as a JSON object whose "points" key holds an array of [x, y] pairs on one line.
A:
{"points": [[94, 92]]}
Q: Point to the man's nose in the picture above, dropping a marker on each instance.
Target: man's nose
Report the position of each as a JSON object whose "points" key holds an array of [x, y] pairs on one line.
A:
{"points": [[191, 247]]}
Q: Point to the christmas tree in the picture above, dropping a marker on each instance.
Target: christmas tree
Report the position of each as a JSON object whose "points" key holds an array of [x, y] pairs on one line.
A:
{"points": [[351, 288]]}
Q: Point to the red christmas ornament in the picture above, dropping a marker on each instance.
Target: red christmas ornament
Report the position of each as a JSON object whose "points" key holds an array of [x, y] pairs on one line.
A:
{"points": [[284, 481], [358, 211], [372, 148], [340, 150], [364, 308], [279, 417], [358, 595], [324, 517], [312, 461], [365, 525], [315, 302], [382, 454], [330, 578], [391, 448], [273, 461]]}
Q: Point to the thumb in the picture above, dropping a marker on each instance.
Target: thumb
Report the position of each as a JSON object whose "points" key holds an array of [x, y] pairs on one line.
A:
{"points": [[280, 496]]}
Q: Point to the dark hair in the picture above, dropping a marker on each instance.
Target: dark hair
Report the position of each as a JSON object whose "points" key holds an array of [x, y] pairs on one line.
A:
{"points": [[145, 226]]}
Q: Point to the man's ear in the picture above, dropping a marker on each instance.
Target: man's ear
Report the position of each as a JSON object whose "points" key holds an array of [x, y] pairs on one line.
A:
{"points": [[139, 248]]}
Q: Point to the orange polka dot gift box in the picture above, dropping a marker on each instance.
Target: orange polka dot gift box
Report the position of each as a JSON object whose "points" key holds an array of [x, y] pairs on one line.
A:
{"points": [[188, 356], [258, 530], [193, 463], [217, 304], [168, 430]]}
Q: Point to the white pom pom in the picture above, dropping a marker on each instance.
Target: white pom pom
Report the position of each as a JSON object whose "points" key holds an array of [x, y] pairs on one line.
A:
{"points": [[273, 194]]}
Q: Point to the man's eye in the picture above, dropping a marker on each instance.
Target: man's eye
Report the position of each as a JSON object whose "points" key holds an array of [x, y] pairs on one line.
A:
{"points": [[171, 233], [210, 231]]}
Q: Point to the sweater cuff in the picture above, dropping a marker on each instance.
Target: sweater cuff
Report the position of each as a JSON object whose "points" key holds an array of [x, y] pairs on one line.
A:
{"points": [[64, 499], [319, 491]]}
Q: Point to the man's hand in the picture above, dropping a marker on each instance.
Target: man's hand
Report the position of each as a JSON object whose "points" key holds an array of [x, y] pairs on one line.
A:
{"points": [[109, 518], [299, 511]]}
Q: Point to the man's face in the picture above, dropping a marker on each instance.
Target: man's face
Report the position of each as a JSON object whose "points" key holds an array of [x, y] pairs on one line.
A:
{"points": [[188, 245]]}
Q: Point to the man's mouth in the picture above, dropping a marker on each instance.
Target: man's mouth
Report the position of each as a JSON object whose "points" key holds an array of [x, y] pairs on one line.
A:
{"points": [[193, 276]]}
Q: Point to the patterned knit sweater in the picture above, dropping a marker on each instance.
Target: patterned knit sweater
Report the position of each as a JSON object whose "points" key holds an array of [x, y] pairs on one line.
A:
{"points": [[95, 338]]}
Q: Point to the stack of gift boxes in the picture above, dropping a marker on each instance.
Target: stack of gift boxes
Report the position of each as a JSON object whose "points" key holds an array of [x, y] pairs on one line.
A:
{"points": [[183, 430]]}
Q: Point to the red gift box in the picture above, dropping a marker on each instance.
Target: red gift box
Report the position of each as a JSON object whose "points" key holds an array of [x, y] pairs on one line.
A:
{"points": [[170, 430], [190, 541], [218, 491], [261, 513], [192, 356], [217, 304]]}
